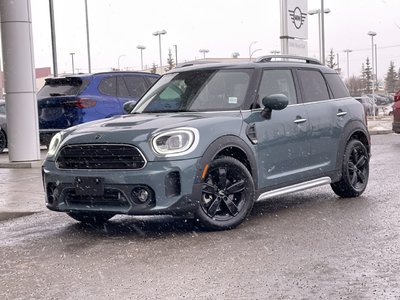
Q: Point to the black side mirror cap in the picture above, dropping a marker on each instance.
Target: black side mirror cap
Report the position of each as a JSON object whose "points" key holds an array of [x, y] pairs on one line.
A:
{"points": [[129, 105], [273, 102]]}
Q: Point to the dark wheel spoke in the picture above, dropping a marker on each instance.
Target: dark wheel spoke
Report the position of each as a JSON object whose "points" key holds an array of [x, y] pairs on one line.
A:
{"points": [[351, 166], [361, 176], [209, 188], [232, 208], [355, 154], [353, 179], [222, 179], [212, 210], [237, 187], [361, 162]]}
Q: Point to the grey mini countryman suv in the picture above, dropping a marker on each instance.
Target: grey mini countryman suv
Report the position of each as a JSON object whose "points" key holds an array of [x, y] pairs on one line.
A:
{"points": [[207, 141]]}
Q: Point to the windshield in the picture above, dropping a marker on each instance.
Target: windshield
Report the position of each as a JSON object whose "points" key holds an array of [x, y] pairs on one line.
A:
{"points": [[200, 90]]}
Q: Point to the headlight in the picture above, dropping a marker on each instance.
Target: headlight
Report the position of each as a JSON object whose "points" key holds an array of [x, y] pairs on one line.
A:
{"points": [[55, 142], [179, 141]]}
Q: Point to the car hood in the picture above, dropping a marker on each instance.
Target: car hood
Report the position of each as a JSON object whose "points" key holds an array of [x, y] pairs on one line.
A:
{"points": [[138, 129]]}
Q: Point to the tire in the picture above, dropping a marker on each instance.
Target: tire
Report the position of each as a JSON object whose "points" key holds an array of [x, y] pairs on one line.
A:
{"points": [[227, 195], [355, 171], [91, 218], [3, 141]]}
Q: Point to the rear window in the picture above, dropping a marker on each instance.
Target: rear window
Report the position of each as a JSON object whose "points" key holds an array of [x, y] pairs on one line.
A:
{"points": [[62, 87], [337, 86]]}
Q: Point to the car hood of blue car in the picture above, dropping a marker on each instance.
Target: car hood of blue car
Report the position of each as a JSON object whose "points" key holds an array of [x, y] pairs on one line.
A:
{"points": [[139, 129]]}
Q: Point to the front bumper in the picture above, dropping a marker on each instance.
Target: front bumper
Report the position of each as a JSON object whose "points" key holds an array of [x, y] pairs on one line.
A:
{"points": [[172, 186]]}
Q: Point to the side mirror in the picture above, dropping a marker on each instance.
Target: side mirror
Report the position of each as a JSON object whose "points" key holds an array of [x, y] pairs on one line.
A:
{"points": [[129, 105], [273, 102]]}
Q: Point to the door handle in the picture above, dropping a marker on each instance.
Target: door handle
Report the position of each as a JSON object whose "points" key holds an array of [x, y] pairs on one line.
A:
{"points": [[299, 120], [341, 113]]}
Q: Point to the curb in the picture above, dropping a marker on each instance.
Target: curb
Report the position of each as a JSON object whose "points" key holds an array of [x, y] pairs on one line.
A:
{"points": [[21, 165], [380, 131]]}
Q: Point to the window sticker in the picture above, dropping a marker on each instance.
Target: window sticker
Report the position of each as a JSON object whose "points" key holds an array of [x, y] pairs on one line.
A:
{"points": [[232, 100]]}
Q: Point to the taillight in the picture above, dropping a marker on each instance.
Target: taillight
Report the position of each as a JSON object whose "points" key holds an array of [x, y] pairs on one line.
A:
{"points": [[81, 103]]}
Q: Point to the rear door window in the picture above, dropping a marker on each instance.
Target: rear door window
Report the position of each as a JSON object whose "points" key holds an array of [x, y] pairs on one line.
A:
{"points": [[136, 85], [122, 90], [313, 85], [337, 86], [108, 86]]}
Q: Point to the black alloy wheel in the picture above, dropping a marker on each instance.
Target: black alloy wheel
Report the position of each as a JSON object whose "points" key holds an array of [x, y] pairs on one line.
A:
{"points": [[227, 195], [92, 218], [355, 171], [3, 141]]}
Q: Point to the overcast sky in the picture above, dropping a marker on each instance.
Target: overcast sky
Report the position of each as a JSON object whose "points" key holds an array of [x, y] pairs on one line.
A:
{"points": [[222, 26]]}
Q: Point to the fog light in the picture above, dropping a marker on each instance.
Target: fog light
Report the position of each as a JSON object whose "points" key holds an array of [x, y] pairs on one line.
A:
{"points": [[140, 194]]}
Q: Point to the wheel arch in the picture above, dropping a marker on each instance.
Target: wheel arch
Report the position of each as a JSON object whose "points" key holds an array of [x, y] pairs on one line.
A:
{"points": [[353, 130], [231, 146]]}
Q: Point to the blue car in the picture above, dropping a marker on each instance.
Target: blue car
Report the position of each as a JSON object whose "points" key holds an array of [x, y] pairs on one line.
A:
{"points": [[72, 100]]}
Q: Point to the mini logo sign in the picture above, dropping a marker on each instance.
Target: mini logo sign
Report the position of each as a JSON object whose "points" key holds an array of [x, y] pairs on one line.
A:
{"points": [[297, 17], [98, 137]]}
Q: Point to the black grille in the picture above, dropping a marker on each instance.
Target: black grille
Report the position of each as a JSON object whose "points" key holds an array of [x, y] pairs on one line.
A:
{"points": [[100, 157]]}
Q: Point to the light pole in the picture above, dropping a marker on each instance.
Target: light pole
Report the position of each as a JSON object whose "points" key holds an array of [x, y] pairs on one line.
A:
{"points": [[372, 34], [53, 39], [159, 33], [204, 51], [251, 53], [347, 51], [321, 30], [119, 57], [87, 37], [72, 59], [141, 48]]}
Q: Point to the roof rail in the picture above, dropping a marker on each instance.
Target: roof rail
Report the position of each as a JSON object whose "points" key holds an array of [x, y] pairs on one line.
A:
{"points": [[196, 62], [284, 57]]}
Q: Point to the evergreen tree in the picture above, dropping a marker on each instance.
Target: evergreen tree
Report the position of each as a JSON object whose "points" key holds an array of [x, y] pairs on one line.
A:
{"points": [[153, 68], [367, 77], [391, 79], [170, 61], [331, 60]]}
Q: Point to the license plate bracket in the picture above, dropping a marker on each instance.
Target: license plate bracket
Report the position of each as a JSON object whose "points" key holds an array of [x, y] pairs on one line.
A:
{"points": [[89, 186]]}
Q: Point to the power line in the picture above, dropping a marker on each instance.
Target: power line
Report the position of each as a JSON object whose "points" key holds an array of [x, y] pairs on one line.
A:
{"points": [[384, 47]]}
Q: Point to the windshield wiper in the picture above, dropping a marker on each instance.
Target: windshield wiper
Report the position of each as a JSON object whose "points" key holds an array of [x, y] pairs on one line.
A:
{"points": [[57, 94]]}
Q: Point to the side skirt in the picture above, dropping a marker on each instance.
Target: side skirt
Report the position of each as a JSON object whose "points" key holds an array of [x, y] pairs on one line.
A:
{"points": [[295, 188]]}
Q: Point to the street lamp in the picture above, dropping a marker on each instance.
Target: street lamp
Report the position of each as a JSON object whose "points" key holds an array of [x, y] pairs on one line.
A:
{"points": [[204, 51], [87, 37], [372, 34], [321, 30], [159, 33], [254, 51], [251, 53], [347, 51], [141, 48], [72, 59], [119, 57]]}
